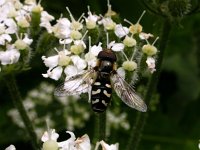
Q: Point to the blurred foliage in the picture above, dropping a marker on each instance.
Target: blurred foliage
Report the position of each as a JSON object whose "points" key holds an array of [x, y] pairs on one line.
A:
{"points": [[176, 121]]}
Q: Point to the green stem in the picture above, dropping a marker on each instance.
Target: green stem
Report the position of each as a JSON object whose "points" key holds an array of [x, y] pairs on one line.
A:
{"points": [[17, 100], [100, 127], [138, 127]]}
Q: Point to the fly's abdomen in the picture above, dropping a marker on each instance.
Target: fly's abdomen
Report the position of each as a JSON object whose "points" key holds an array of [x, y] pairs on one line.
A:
{"points": [[101, 95]]}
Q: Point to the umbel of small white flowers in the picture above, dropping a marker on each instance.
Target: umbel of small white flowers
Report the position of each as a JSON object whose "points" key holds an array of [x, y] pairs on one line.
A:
{"points": [[15, 25], [50, 137], [82, 143], [72, 59]]}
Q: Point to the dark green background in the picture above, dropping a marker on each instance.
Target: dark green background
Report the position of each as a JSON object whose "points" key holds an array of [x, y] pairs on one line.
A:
{"points": [[175, 124]]}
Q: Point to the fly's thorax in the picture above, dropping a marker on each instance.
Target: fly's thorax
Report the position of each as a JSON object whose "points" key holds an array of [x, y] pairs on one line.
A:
{"points": [[105, 66]]}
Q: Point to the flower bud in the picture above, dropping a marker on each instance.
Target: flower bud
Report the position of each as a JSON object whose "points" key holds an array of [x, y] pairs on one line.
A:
{"points": [[77, 49], [75, 25], [110, 13], [23, 23], [63, 59], [135, 28], [110, 25], [129, 65], [129, 41], [37, 9], [50, 145], [18, 5], [90, 24], [30, 2], [149, 49], [76, 35], [20, 44], [12, 13]]}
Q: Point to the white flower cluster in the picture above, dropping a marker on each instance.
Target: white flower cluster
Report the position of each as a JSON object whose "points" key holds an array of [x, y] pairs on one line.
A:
{"points": [[42, 96], [50, 137], [117, 121], [15, 22], [82, 143], [76, 57]]}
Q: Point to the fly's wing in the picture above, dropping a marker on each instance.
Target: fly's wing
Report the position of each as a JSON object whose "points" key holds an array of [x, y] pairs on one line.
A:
{"points": [[77, 84], [127, 93]]}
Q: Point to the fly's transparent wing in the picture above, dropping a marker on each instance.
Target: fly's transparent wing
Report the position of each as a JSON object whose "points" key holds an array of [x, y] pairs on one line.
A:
{"points": [[77, 84], [127, 93]]}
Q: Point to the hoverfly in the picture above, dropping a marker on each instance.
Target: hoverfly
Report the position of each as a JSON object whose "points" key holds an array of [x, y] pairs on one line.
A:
{"points": [[99, 81]]}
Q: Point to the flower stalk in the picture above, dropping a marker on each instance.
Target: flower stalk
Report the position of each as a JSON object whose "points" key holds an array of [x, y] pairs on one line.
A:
{"points": [[17, 100], [100, 127], [138, 127]]}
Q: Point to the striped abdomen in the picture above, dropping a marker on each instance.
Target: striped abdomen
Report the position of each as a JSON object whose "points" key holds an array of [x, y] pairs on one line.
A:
{"points": [[101, 94]]}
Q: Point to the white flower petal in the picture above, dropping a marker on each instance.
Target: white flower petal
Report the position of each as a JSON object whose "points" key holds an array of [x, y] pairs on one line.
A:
{"points": [[46, 17], [54, 73], [11, 147], [4, 38], [110, 44], [27, 40], [62, 28], [108, 23], [144, 36], [65, 41], [50, 135], [96, 49], [72, 138], [151, 64], [121, 31], [47, 25], [199, 144], [68, 144], [2, 2], [45, 21], [12, 26], [79, 62], [91, 59], [117, 47], [83, 143], [51, 61], [9, 56], [105, 146], [92, 17]]}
